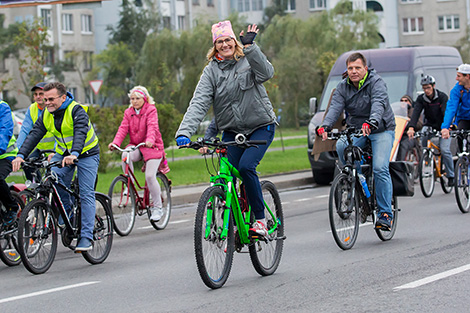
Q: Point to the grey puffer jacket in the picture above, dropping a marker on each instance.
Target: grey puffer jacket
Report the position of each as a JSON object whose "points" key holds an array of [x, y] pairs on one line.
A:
{"points": [[235, 90], [369, 102]]}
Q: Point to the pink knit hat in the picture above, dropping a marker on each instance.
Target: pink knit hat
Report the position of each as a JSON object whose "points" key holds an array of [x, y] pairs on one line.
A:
{"points": [[222, 29]]}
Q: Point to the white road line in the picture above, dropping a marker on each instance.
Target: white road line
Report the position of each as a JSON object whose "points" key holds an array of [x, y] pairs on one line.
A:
{"points": [[42, 292], [303, 199], [350, 227], [430, 279], [322, 196], [146, 227], [180, 221]]}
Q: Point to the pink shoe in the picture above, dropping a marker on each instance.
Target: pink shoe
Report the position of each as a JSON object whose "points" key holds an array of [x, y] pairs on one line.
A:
{"points": [[259, 228]]}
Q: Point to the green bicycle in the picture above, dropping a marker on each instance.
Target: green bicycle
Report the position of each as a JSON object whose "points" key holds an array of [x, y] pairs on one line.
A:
{"points": [[223, 219]]}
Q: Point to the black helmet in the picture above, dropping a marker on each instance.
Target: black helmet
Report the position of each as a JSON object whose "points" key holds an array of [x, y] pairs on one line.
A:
{"points": [[427, 80]]}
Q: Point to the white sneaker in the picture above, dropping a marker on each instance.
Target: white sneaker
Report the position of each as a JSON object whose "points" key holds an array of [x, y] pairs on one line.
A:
{"points": [[157, 214], [259, 228]]}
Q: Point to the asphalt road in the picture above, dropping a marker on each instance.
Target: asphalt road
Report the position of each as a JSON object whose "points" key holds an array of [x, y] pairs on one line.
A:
{"points": [[424, 268]]}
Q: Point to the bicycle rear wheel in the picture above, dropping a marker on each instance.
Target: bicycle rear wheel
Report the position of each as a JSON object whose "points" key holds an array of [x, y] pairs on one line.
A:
{"points": [[266, 255], [388, 234], [214, 255], [122, 205], [461, 184], [426, 173], [102, 232], [166, 202], [9, 242], [344, 211], [413, 155], [444, 179], [37, 237]]}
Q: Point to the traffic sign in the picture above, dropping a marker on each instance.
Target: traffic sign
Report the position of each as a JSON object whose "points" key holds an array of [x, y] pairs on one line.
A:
{"points": [[96, 85]]}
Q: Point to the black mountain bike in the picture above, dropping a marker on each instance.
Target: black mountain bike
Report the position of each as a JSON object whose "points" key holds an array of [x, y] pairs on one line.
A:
{"points": [[37, 227], [348, 203], [9, 235]]}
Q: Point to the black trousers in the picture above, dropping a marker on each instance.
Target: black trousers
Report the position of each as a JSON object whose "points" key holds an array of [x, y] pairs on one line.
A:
{"points": [[5, 194]]}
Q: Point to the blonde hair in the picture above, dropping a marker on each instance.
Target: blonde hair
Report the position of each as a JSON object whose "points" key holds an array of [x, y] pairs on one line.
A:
{"points": [[237, 55], [139, 92]]}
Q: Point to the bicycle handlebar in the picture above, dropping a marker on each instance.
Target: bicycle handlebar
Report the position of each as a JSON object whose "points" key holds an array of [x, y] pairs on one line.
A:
{"points": [[128, 149], [240, 141], [335, 134], [433, 133]]}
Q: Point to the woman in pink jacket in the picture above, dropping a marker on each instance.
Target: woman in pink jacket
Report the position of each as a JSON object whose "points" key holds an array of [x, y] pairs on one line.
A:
{"points": [[141, 123]]}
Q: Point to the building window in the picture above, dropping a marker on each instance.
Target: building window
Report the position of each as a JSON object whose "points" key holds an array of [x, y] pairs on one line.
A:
{"points": [[86, 24], [243, 5], [88, 95], [257, 5], [69, 60], [195, 2], [87, 60], [67, 23], [49, 56], [181, 22], [73, 91], [167, 22], [210, 3], [413, 25], [449, 23], [290, 6], [3, 67], [317, 4], [46, 17], [410, 1]]}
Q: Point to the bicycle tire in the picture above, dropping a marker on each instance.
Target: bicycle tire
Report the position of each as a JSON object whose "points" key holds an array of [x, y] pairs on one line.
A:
{"points": [[37, 236], [166, 202], [344, 211], [462, 184], [27, 195], [9, 243], [102, 232], [386, 235], [444, 180], [214, 255], [413, 155], [123, 205], [427, 176], [266, 255]]}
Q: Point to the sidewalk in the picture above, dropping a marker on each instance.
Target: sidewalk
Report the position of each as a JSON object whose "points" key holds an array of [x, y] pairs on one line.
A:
{"points": [[191, 194]]}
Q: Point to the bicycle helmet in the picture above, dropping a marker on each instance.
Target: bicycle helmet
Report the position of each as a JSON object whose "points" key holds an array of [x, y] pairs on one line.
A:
{"points": [[427, 80]]}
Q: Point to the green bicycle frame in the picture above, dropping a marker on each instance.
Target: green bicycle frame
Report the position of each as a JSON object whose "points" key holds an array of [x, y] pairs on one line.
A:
{"points": [[225, 179]]}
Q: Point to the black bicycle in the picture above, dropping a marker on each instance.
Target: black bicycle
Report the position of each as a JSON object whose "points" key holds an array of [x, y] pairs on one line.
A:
{"points": [[37, 227], [349, 202], [9, 235], [462, 171]]}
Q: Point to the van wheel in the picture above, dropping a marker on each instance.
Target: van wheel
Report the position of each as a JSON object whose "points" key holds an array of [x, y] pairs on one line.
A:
{"points": [[322, 177]]}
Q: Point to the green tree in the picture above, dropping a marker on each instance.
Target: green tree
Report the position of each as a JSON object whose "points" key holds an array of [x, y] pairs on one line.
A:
{"points": [[463, 45]]}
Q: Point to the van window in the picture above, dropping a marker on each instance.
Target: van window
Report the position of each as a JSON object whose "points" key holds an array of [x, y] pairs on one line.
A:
{"points": [[333, 81], [445, 79]]}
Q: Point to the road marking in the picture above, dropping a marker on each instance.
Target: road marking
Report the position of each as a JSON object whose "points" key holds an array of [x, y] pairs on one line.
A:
{"points": [[303, 199], [350, 227], [322, 196], [42, 292], [180, 221], [430, 279]]}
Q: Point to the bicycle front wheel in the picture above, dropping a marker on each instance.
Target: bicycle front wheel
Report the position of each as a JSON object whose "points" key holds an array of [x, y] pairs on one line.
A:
{"points": [[166, 202], [123, 205], [386, 235], [344, 211], [9, 242], [214, 254], [102, 232], [426, 173], [37, 237], [266, 255], [461, 184]]}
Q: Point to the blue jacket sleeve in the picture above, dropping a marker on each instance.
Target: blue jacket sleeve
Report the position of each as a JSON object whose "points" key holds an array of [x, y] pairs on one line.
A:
{"points": [[6, 126], [452, 106], [25, 128]]}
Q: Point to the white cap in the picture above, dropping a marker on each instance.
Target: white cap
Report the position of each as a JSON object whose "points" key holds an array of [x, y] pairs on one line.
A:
{"points": [[464, 68]]}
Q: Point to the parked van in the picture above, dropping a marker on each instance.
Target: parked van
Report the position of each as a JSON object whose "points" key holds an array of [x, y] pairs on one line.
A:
{"points": [[401, 69]]}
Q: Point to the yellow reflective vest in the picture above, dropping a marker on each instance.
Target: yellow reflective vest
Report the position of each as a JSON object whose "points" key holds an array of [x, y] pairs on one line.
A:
{"points": [[47, 142]]}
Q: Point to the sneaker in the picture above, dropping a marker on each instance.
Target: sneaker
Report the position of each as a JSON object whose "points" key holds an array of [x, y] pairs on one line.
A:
{"points": [[450, 182], [84, 244], [157, 214], [384, 222], [9, 218], [259, 228]]}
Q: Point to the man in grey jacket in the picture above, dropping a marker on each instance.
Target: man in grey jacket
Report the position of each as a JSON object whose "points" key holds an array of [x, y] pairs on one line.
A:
{"points": [[363, 95]]}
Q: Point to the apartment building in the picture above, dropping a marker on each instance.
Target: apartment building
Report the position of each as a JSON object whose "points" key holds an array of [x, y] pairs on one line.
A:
{"points": [[71, 33]]}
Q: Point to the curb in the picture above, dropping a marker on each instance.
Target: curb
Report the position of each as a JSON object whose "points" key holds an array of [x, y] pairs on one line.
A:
{"points": [[190, 194]]}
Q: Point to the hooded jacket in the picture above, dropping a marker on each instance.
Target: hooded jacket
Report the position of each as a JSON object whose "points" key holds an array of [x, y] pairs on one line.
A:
{"points": [[236, 92], [368, 102], [434, 110]]}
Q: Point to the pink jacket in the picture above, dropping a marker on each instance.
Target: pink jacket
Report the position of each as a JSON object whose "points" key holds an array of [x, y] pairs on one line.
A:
{"points": [[142, 128]]}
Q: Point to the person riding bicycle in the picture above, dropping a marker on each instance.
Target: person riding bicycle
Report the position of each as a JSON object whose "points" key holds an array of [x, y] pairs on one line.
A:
{"points": [[140, 121], [232, 82], [363, 95], [407, 143], [8, 150], [34, 111], [458, 106], [433, 102], [76, 139]]}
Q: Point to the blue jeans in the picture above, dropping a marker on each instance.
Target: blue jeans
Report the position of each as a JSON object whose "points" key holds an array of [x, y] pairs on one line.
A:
{"points": [[381, 148], [446, 154], [87, 171], [246, 161]]}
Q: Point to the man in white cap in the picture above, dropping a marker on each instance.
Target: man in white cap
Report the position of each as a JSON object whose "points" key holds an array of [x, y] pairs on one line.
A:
{"points": [[458, 105]]}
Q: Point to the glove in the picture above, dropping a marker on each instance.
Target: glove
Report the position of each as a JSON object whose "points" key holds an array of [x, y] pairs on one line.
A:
{"points": [[182, 141], [248, 38], [370, 124], [322, 129]]}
